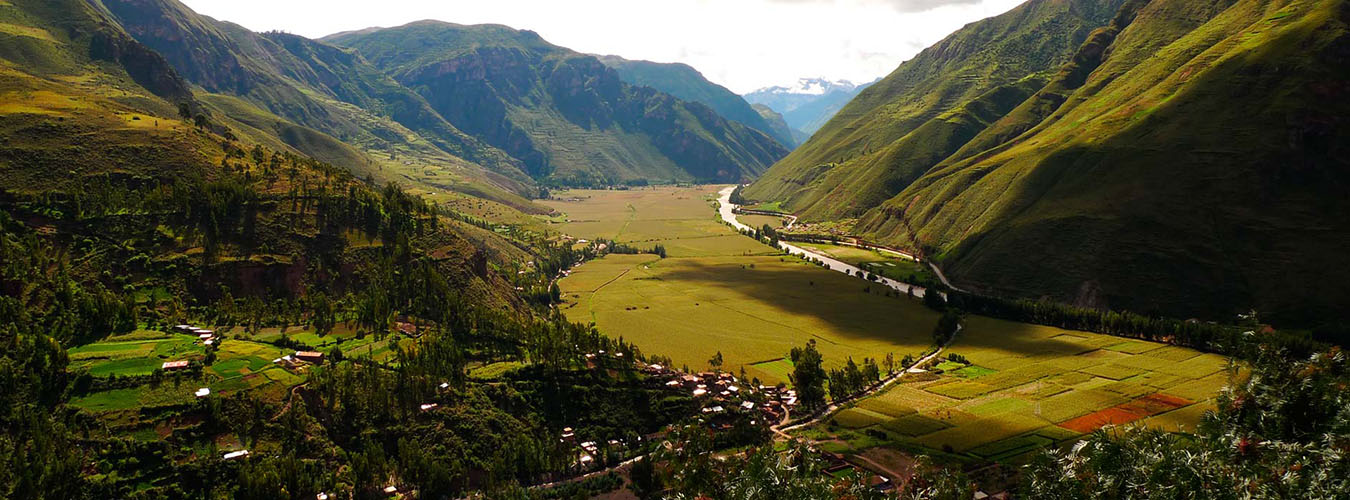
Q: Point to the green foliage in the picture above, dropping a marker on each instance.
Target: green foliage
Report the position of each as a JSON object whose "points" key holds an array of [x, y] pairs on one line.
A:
{"points": [[1279, 433], [808, 376]]}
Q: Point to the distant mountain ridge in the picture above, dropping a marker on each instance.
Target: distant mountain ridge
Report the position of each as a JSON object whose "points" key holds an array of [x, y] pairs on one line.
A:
{"points": [[685, 82], [808, 104]]}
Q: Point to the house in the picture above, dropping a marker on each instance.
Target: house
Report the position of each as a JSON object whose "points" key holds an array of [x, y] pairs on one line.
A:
{"points": [[690, 381], [174, 365], [309, 356], [880, 483], [203, 392], [235, 454], [406, 328], [183, 328], [428, 406], [390, 490]]}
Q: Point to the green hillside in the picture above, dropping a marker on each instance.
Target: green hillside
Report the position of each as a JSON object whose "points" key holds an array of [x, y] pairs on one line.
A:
{"points": [[330, 91], [1184, 158], [685, 82], [779, 126], [538, 102], [1200, 169], [896, 129]]}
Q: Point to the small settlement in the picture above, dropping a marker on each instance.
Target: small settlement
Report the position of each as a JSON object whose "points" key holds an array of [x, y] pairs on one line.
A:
{"points": [[723, 401]]}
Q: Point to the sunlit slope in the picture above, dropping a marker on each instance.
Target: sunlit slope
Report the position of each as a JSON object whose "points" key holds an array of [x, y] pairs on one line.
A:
{"points": [[324, 88], [923, 111], [1200, 169]]}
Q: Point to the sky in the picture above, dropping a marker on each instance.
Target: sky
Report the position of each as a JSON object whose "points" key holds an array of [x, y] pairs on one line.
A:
{"points": [[741, 44]]}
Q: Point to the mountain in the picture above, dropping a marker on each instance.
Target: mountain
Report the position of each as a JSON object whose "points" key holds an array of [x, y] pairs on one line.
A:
{"points": [[130, 159], [538, 102], [1187, 158], [778, 124], [808, 104], [329, 91], [685, 82], [925, 109]]}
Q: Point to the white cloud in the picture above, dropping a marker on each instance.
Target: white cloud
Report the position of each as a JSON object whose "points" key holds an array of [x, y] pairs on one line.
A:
{"points": [[742, 44]]}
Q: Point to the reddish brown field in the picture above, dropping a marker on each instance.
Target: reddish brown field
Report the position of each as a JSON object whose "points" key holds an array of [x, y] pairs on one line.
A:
{"points": [[1146, 406]]}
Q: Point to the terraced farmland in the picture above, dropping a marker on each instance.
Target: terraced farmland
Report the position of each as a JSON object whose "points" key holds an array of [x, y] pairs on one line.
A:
{"points": [[1027, 387]]}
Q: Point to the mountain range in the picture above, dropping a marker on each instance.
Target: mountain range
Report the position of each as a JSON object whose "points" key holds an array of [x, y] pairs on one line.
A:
{"points": [[417, 118], [808, 104], [1163, 156]]}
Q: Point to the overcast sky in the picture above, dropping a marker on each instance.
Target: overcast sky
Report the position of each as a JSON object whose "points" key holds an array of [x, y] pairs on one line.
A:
{"points": [[742, 44]]}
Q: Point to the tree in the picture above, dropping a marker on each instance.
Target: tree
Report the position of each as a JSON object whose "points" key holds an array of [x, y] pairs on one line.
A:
{"points": [[808, 375], [946, 326], [1279, 433], [934, 300], [716, 360], [645, 482]]}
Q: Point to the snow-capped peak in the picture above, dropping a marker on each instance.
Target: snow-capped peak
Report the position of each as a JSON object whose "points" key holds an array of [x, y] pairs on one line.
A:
{"points": [[811, 86]]}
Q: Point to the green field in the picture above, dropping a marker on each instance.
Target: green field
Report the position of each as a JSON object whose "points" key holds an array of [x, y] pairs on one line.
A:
{"points": [[1024, 386], [888, 265], [239, 365], [680, 218], [720, 291], [1030, 386]]}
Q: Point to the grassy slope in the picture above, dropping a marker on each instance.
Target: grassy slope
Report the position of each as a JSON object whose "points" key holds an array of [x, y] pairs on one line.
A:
{"points": [[538, 101], [1200, 168], [53, 91], [336, 93], [927, 108]]}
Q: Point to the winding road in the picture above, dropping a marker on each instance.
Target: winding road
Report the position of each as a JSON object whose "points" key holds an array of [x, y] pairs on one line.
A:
{"points": [[727, 211]]}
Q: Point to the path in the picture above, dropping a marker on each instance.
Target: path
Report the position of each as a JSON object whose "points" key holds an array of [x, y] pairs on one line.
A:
{"points": [[294, 394], [835, 406]]}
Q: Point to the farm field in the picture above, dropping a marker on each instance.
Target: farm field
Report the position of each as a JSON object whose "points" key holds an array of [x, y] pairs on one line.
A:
{"points": [[721, 291], [1026, 387], [1013, 389], [679, 218], [751, 309], [890, 266], [242, 363]]}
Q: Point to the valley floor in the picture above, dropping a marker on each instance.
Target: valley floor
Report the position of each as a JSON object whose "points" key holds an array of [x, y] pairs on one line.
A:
{"points": [[1014, 388]]}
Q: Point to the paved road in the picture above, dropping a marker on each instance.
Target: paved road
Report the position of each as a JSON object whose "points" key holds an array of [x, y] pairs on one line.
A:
{"points": [[727, 210]]}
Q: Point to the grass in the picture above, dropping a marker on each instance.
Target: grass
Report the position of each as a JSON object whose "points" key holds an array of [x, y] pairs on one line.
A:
{"points": [[857, 418], [719, 291], [1021, 382], [876, 262], [138, 353], [1052, 386]]}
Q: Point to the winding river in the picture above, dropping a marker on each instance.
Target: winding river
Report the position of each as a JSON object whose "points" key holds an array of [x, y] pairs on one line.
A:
{"points": [[727, 211]]}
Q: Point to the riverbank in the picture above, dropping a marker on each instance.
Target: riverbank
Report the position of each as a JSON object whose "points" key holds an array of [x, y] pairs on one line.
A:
{"points": [[727, 211]]}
